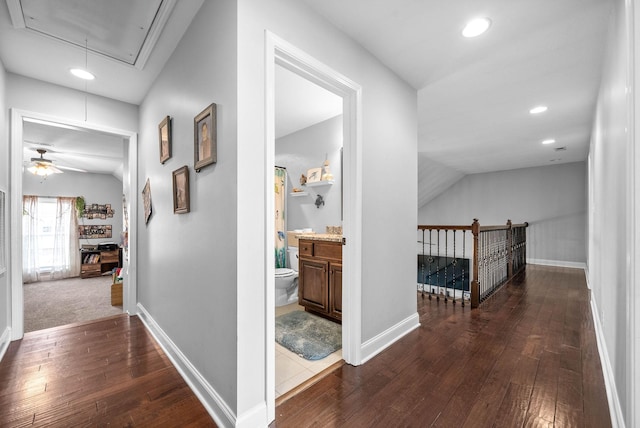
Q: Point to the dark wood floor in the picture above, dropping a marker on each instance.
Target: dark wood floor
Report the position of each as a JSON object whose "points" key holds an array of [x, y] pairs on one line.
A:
{"points": [[104, 373], [527, 358]]}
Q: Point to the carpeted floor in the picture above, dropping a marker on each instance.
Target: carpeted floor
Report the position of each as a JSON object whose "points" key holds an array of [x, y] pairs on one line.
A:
{"points": [[53, 303]]}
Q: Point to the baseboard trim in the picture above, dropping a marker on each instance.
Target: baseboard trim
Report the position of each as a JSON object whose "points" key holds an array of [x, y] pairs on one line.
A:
{"points": [[379, 343], [615, 410], [5, 340], [211, 400], [254, 417], [558, 263]]}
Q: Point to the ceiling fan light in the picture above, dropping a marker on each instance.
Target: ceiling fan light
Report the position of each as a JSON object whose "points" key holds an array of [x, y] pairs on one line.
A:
{"points": [[82, 74], [42, 167], [41, 170], [476, 26]]}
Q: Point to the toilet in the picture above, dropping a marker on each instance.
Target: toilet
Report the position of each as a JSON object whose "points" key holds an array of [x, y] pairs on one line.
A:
{"points": [[287, 280]]}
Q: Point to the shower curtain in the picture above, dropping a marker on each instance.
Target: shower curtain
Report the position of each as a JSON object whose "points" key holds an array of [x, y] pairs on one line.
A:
{"points": [[280, 224]]}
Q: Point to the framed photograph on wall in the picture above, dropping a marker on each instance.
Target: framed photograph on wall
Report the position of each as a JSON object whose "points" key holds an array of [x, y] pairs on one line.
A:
{"points": [[164, 132], [205, 138], [146, 201], [314, 175], [181, 190]]}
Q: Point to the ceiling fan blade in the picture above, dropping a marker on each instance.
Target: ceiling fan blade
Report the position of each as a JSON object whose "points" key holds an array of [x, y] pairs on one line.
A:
{"points": [[69, 168]]}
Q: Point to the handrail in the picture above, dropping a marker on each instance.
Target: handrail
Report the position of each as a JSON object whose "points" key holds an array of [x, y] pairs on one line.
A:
{"points": [[443, 227], [497, 257]]}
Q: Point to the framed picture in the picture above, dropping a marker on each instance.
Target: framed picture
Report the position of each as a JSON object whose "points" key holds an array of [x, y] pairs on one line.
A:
{"points": [[95, 231], [181, 190], [205, 138], [164, 132], [313, 175], [146, 200]]}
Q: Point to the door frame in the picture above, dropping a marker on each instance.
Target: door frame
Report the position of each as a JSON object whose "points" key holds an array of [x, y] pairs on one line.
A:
{"points": [[281, 52], [129, 181]]}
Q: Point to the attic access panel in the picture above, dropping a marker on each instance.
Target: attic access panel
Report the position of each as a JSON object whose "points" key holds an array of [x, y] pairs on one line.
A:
{"points": [[117, 29]]}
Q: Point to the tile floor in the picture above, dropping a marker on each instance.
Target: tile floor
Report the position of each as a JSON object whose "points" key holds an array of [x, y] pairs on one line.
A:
{"points": [[292, 370]]}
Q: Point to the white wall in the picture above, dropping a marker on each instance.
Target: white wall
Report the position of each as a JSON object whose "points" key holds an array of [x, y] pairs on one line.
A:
{"points": [[5, 299], [609, 236], [95, 188], [306, 149], [552, 199], [37, 96], [187, 262], [389, 176]]}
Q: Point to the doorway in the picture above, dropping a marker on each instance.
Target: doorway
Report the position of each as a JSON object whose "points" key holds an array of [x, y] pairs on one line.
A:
{"points": [[309, 136], [129, 183], [284, 54]]}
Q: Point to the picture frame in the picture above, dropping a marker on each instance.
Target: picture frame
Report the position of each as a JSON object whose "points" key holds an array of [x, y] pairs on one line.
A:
{"points": [[164, 134], [94, 231], [146, 201], [205, 138], [181, 203], [314, 175]]}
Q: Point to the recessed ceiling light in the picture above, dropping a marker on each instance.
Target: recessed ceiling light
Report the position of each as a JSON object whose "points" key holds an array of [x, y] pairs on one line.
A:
{"points": [[538, 109], [475, 27], [83, 74], [549, 141]]}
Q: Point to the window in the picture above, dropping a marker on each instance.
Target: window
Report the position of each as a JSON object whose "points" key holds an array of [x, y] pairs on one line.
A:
{"points": [[50, 238]]}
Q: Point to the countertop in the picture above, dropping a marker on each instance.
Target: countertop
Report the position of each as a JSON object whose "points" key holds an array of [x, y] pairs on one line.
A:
{"points": [[320, 237]]}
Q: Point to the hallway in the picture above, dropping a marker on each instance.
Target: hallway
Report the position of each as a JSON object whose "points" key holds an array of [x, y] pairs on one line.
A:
{"points": [[527, 357]]}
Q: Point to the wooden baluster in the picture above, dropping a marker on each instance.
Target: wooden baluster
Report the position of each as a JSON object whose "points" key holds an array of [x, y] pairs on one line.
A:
{"points": [[430, 262], [446, 263], [454, 263], [464, 257], [438, 266]]}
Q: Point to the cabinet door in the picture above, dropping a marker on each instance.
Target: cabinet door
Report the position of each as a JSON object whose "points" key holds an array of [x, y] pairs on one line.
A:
{"points": [[335, 290], [312, 284]]}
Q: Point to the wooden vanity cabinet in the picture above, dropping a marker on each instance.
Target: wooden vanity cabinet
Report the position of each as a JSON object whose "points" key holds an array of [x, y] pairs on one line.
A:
{"points": [[320, 278], [335, 290]]}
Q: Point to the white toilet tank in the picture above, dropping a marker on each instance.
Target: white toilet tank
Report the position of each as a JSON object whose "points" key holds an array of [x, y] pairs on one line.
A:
{"points": [[293, 258]]}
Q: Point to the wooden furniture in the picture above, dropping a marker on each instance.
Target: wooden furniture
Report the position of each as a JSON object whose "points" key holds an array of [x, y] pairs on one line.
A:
{"points": [[97, 262], [116, 290], [320, 280], [116, 294]]}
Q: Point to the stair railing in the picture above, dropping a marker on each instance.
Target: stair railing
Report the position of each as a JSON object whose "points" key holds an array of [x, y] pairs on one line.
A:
{"points": [[498, 253]]}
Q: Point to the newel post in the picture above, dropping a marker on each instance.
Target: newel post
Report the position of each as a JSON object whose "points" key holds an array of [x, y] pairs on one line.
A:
{"points": [[475, 289], [509, 249]]}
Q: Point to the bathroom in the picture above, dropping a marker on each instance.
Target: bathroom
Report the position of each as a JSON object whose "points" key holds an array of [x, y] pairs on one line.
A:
{"points": [[303, 208]]}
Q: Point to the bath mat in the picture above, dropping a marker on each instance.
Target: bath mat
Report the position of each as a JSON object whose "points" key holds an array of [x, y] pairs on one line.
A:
{"points": [[307, 335]]}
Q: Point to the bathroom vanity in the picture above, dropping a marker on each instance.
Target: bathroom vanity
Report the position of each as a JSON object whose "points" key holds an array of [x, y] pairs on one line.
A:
{"points": [[320, 270]]}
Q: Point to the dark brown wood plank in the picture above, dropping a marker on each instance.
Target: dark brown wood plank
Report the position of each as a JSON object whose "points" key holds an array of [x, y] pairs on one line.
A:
{"points": [[108, 372], [526, 358]]}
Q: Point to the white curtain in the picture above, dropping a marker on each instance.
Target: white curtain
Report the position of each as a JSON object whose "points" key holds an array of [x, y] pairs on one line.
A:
{"points": [[66, 254], [63, 256], [30, 260]]}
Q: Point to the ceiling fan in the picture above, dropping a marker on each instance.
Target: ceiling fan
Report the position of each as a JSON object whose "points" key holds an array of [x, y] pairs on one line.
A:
{"points": [[48, 163], [41, 166]]}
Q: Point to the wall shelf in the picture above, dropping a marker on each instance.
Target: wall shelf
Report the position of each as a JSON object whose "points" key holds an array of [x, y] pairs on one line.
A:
{"points": [[320, 183]]}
